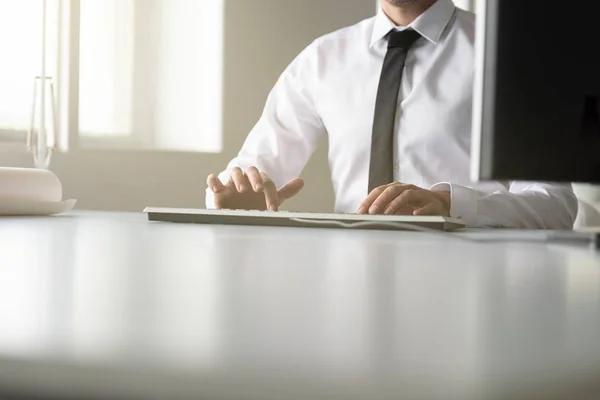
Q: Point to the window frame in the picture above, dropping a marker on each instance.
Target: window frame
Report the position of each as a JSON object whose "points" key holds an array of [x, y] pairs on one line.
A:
{"points": [[66, 77], [13, 136], [66, 95], [69, 137]]}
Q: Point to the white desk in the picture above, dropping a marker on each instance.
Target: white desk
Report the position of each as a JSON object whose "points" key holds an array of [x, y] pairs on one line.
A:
{"points": [[98, 305]]}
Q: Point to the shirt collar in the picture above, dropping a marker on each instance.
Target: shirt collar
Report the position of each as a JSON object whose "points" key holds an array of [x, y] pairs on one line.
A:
{"points": [[430, 24]]}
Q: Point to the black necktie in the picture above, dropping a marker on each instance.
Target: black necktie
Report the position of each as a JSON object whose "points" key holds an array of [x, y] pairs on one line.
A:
{"points": [[381, 170]]}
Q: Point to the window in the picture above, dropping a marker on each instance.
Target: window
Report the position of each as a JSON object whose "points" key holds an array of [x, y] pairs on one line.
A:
{"points": [[134, 74], [21, 53]]}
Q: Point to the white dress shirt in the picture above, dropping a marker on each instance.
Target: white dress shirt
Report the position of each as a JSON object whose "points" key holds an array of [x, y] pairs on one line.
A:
{"points": [[330, 89]]}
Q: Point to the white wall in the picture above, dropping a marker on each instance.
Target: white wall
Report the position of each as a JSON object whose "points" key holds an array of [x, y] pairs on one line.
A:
{"points": [[261, 38]]}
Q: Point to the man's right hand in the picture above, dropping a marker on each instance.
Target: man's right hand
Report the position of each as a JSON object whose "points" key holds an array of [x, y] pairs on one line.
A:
{"points": [[252, 190]]}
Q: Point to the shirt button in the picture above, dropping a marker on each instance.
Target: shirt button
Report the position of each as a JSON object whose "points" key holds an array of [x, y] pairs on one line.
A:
{"points": [[396, 166]]}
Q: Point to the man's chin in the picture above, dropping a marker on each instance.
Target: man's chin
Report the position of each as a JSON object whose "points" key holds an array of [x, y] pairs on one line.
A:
{"points": [[402, 3]]}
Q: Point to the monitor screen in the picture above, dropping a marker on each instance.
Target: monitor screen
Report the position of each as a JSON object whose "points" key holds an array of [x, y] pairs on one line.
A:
{"points": [[537, 91]]}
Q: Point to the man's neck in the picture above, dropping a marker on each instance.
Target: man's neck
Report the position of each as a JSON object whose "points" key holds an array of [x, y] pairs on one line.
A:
{"points": [[404, 15]]}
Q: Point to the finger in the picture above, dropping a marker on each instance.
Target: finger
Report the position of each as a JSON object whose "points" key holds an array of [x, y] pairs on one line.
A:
{"points": [[368, 202], [270, 191], [400, 209], [255, 179], [408, 201], [429, 209], [239, 180], [290, 189], [392, 192], [385, 198], [214, 183]]}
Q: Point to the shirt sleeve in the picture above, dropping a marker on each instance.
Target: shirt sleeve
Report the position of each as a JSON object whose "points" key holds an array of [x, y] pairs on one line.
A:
{"points": [[289, 130], [525, 205]]}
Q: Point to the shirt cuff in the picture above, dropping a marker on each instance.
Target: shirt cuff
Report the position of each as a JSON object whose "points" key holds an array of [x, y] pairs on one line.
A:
{"points": [[463, 201]]}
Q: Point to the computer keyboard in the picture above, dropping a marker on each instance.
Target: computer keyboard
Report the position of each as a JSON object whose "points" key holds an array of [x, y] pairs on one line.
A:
{"points": [[302, 219]]}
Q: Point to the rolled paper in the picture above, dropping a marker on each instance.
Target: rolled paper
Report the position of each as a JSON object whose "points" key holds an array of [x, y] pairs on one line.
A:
{"points": [[29, 184]]}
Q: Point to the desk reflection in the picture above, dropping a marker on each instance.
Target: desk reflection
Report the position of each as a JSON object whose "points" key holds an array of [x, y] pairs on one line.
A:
{"points": [[106, 290]]}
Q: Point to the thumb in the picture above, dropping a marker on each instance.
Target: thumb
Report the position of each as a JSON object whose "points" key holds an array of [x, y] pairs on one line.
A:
{"points": [[290, 189]]}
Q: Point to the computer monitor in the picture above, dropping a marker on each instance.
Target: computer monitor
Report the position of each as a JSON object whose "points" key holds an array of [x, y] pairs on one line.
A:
{"points": [[537, 91]]}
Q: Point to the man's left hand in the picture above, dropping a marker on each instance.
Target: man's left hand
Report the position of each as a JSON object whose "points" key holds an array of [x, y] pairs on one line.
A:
{"points": [[402, 199]]}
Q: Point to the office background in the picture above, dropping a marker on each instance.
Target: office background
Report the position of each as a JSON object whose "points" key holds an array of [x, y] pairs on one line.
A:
{"points": [[259, 39]]}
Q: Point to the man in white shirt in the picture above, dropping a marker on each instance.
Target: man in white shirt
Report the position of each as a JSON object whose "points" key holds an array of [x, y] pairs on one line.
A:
{"points": [[395, 92]]}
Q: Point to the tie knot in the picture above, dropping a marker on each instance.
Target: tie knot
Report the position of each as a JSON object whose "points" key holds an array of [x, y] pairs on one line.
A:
{"points": [[403, 39]]}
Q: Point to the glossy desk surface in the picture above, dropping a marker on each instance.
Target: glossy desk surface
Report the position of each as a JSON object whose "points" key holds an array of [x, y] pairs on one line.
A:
{"points": [[108, 305]]}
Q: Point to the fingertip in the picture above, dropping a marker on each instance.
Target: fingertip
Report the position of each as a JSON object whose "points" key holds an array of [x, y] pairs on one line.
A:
{"points": [[295, 183], [423, 211], [212, 183]]}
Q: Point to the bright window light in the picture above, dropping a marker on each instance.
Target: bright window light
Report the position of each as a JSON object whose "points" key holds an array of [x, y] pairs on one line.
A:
{"points": [[151, 72]]}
